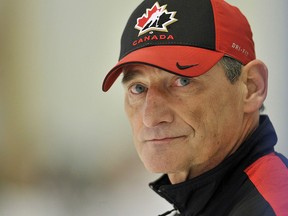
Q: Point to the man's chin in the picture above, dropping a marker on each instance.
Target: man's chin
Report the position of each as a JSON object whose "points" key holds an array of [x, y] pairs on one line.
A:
{"points": [[157, 168]]}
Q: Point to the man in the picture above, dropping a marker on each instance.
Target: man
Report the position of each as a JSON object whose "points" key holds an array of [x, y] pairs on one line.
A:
{"points": [[193, 94]]}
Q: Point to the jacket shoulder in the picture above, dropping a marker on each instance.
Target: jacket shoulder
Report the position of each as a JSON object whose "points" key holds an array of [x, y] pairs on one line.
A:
{"points": [[269, 176]]}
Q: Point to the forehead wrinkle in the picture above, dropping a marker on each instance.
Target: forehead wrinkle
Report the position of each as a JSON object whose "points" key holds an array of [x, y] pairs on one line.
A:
{"points": [[133, 71], [129, 75]]}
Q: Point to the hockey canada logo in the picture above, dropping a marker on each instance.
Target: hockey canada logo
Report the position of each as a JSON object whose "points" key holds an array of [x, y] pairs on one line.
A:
{"points": [[155, 19]]}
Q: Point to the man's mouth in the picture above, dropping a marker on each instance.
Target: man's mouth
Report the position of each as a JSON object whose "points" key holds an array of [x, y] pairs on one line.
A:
{"points": [[164, 140]]}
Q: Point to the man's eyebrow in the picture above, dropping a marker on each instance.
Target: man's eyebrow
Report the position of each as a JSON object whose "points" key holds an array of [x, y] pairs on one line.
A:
{"points": [[129, 75]]}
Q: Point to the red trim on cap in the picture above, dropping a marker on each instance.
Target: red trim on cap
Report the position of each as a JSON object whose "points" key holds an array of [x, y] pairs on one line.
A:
{"points": [[166, 58], [269, 175]]}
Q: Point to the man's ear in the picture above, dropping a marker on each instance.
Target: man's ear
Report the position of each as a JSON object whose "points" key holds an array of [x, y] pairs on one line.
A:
{"points": [[256, 75]]}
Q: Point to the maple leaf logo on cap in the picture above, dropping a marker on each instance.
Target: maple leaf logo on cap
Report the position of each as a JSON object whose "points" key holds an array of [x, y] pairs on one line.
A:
{"points": [[155, 19]]}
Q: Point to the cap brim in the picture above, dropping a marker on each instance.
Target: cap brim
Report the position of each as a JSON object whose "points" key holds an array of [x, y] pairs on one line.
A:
{"points": [[182, 60]]}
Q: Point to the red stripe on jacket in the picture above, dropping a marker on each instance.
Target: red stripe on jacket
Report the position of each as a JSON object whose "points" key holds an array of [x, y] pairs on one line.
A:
{"points": [[269, 175]]}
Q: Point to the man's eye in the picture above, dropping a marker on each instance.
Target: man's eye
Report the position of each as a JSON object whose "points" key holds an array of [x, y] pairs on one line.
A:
{"points": [[138, 89], [183, 81]]}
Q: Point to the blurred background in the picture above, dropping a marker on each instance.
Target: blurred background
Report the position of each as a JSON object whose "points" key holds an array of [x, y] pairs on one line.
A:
{"points": [[65, 146]]}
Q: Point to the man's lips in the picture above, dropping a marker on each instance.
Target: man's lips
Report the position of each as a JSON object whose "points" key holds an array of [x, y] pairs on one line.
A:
{"points": [[164, 140]]}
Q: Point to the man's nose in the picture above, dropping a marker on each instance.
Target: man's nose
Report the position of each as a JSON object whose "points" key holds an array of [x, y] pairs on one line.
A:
{"points": [[156, 109]]}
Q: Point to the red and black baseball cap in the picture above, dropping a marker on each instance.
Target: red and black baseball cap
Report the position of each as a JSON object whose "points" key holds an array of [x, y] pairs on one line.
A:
{"points": [[185, 37]]}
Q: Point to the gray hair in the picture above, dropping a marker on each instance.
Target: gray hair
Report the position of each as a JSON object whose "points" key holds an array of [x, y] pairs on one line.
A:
{"points": [[232, 70]]}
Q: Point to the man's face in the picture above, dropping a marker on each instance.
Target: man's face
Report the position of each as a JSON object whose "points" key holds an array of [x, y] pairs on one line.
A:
{"points": [[182, 123]]}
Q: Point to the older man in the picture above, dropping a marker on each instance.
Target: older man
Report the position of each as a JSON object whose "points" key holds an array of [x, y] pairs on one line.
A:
{"points": [[193, 94]]}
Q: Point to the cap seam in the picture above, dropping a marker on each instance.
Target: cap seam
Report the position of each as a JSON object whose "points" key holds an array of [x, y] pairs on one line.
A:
{"points": [[214, 10]]}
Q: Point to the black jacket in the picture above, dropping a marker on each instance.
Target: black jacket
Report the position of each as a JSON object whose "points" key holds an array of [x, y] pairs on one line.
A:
{"points": [[251, 182]]}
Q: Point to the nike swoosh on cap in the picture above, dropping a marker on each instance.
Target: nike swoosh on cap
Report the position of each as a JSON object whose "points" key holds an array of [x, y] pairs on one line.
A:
{"points": [[183, 67]]}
